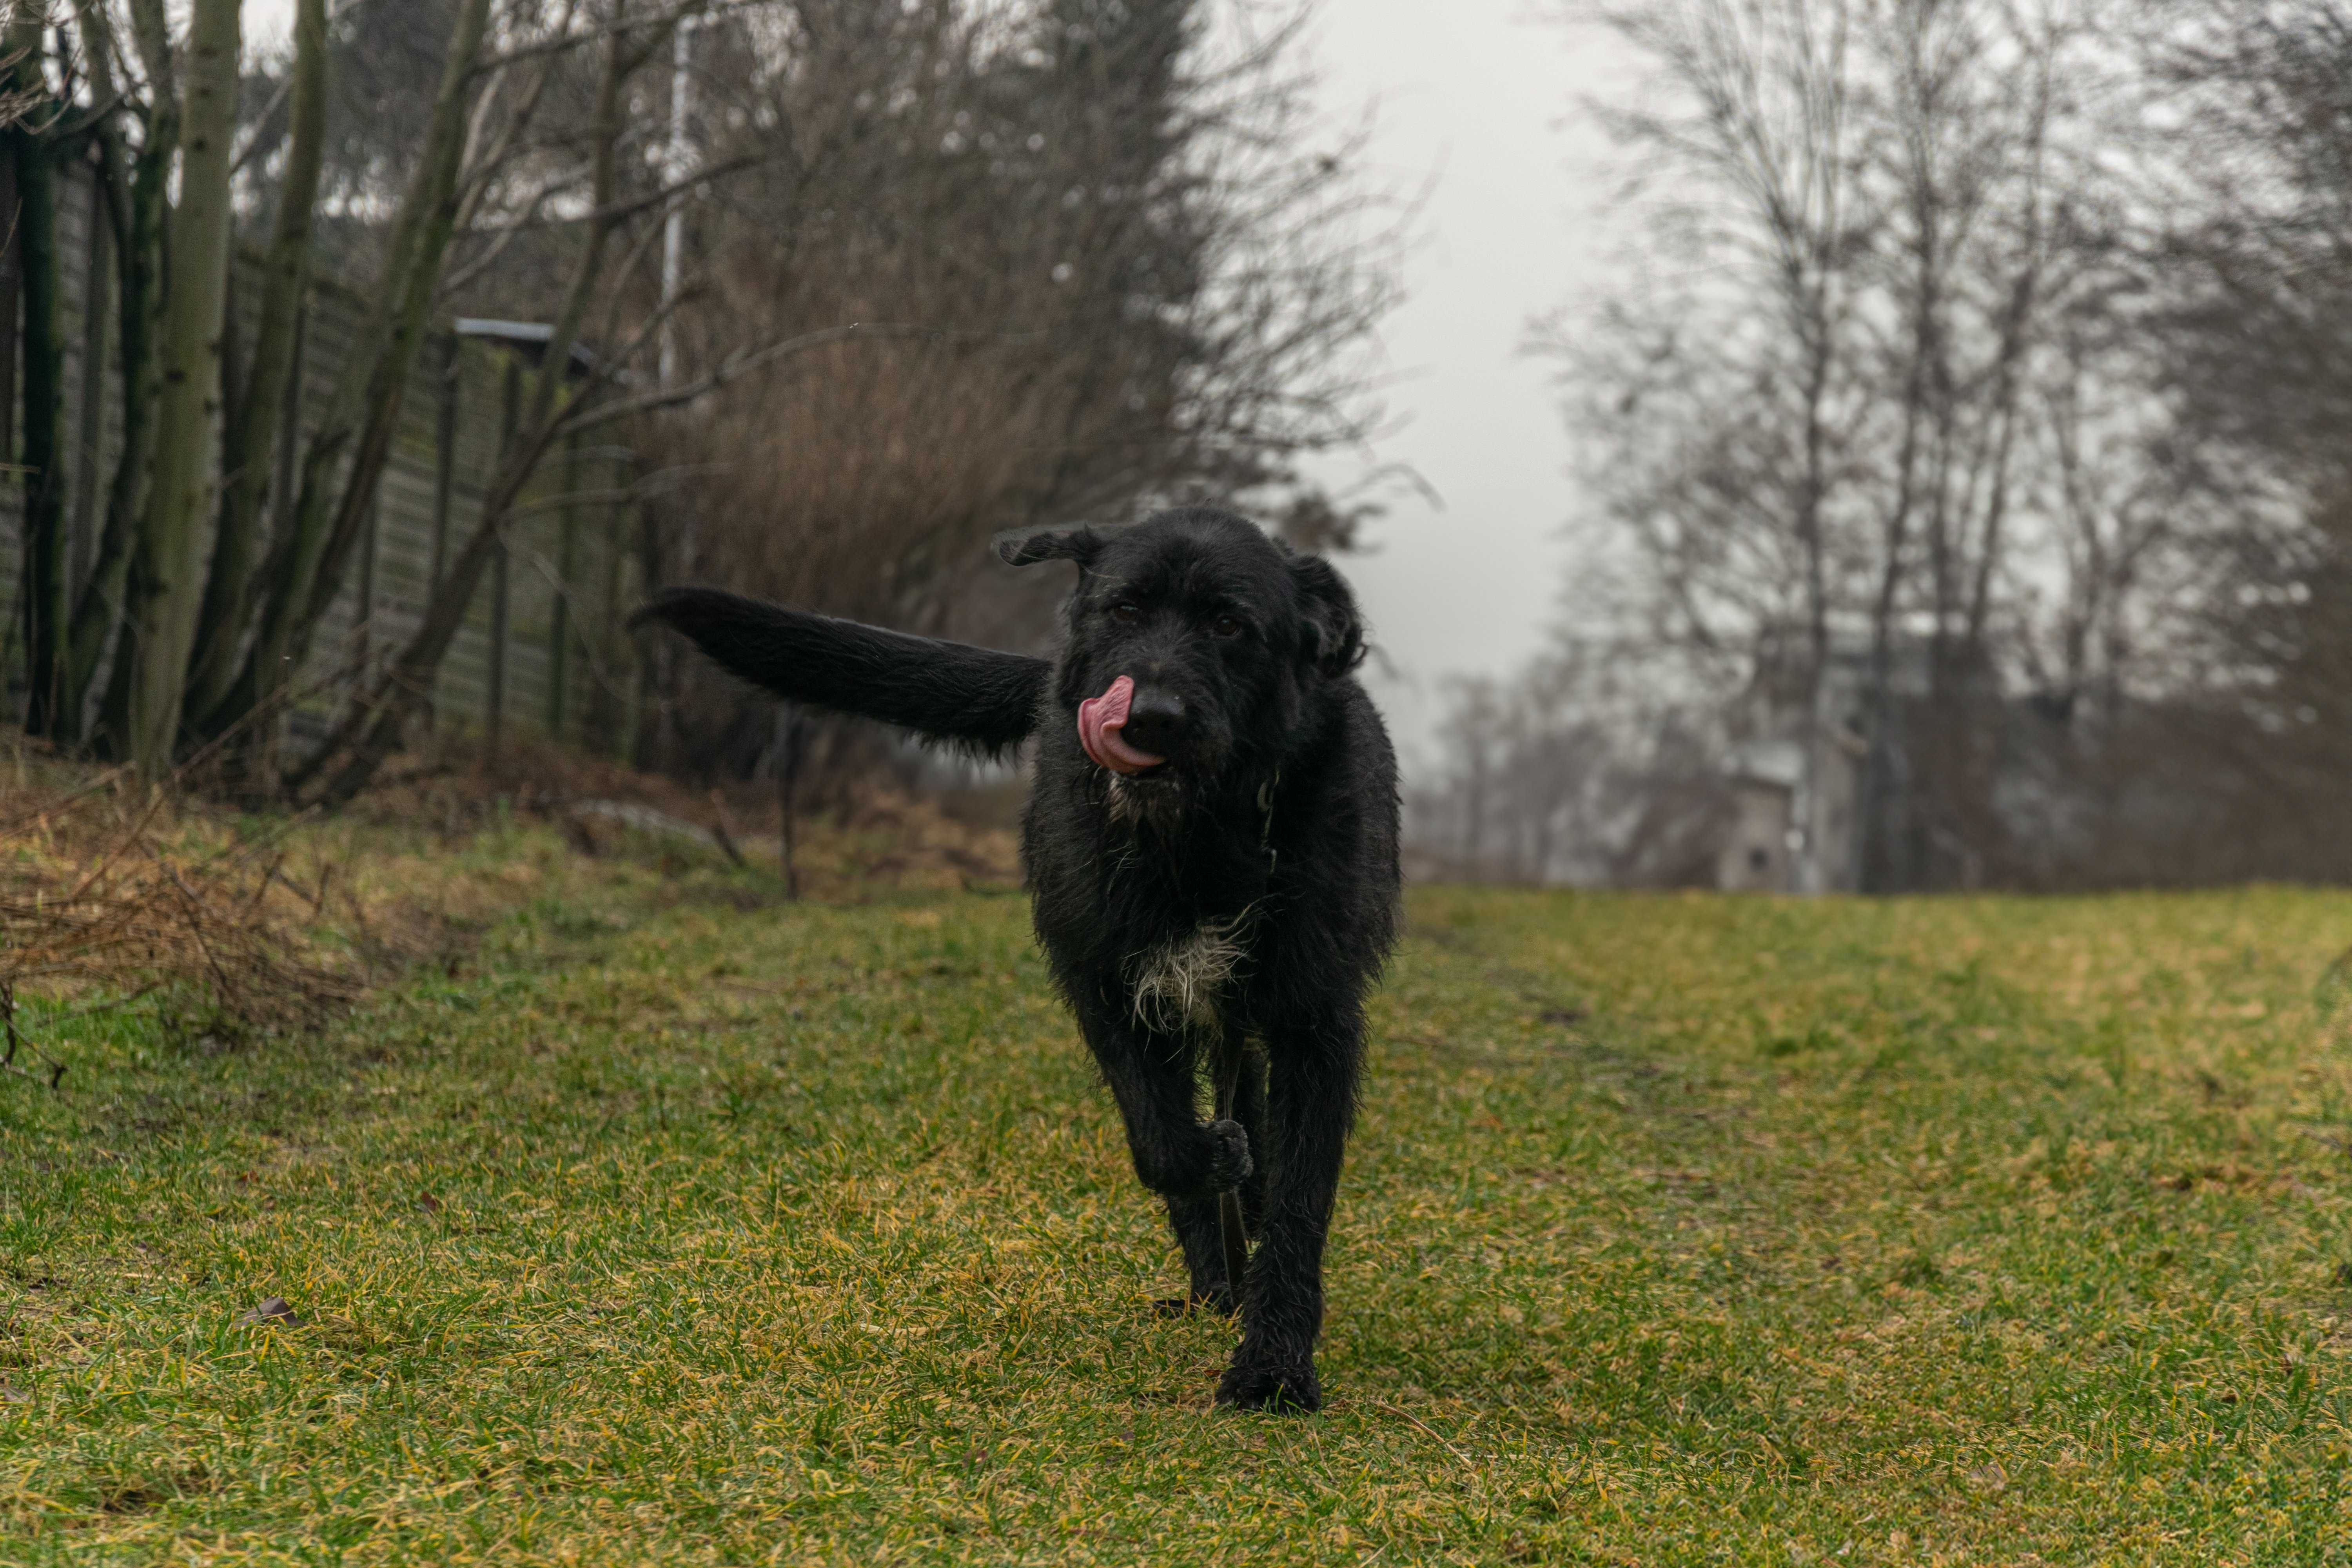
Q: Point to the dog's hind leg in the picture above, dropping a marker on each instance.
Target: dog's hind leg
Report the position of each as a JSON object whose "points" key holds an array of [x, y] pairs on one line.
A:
{"points": [[1310, 1099], [1249, 1110]]}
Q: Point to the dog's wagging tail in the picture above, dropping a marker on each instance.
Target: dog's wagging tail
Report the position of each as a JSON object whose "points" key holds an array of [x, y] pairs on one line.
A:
{"points": [[968, 696], [1210, 845]]}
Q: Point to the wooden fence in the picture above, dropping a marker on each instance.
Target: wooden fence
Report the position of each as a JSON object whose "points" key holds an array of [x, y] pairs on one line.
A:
{"points": [[542, 651]]}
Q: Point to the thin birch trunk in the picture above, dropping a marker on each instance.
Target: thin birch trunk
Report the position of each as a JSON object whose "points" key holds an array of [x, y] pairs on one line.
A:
{"points": [[168, 568], [136, 207], [254, 426]]}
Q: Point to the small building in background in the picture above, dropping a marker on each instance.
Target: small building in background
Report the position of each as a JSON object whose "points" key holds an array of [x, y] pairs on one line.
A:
{"points": [[1798, 767], [1764, 776]]}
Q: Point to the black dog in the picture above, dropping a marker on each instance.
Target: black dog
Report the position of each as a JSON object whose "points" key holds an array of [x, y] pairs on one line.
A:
{"points": [[1211, 844]]}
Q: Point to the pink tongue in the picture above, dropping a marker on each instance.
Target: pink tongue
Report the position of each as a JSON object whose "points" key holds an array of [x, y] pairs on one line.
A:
{"points": [[1100, 720]]}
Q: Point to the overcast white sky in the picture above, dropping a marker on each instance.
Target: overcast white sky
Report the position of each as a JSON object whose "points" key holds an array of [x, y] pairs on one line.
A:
{"points": [[1482, 94]]}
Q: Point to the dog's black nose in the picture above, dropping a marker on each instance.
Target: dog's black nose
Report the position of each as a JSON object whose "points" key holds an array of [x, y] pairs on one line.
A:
{"points": [[1155, 723]]}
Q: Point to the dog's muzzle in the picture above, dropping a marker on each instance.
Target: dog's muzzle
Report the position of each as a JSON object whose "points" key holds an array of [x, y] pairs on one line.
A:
{"points": [[1102, 730]]}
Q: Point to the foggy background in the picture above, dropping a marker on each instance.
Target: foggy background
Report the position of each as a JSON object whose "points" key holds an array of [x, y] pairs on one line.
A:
{"points": [[1482, 104], [1783, 444]]}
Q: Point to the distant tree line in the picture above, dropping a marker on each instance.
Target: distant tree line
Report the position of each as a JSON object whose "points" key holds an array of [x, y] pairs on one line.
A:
{"points": [[1976, 413], [860, 285]]}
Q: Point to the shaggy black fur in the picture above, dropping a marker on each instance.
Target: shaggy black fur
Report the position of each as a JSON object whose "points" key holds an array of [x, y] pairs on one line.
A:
{"points": [[1241, 895]]}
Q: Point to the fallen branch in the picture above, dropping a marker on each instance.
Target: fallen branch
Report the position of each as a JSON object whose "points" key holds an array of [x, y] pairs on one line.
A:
{"points": [[726, 838]]}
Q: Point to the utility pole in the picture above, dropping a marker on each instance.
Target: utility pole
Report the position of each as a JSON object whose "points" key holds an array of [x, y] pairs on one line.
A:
{"points": [[678, 566], [681, 55]]}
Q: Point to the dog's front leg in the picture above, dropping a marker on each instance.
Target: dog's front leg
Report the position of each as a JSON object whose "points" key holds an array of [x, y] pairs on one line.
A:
{"points": [[1186, 1162], [1310, 1100]]}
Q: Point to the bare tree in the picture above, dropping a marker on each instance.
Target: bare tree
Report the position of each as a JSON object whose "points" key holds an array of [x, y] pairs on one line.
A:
{"points": [[251, 432], [610, 246], [1758, 106], [975, 265], [1144, 269], [1841, 423], [2249, 163], [1598, 762], [345, 455], [34, 144], [168, 565], [132, 95]]}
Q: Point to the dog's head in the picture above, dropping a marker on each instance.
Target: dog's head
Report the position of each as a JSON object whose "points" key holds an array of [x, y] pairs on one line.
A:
{"points": [[1197, 644]]}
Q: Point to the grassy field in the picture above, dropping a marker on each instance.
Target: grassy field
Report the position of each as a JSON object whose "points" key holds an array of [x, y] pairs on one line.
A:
{"points": [[1675, 1230]]}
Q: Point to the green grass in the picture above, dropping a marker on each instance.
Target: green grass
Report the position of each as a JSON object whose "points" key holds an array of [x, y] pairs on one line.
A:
{"points": [[1675, 1230]]}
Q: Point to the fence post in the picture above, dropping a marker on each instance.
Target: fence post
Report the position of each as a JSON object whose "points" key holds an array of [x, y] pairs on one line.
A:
{"points": [[559, 623], [616, 707], [364, 634], [444, 477], [651, 732], [444, 461], [494, 715]]}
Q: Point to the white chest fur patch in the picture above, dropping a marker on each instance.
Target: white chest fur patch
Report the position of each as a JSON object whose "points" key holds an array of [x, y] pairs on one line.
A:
{"points": [[1177, 986]]}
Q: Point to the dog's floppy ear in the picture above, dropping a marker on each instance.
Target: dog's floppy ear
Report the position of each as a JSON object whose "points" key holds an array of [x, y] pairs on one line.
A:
{"points": [[1078, 544], [1335, 632]]}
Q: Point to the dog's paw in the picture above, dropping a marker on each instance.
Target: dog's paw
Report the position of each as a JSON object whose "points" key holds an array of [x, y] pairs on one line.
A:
{"points": [[1219, 1302], [1277, 1390], [1229, 1157]]}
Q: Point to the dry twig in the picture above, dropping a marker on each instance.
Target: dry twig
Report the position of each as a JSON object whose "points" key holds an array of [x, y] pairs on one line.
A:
{"points": [[121, 904]]}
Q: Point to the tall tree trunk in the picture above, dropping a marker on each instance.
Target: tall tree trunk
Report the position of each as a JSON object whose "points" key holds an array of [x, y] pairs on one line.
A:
{"points": [[305, 567], [253, 427], [140, 197], [10, 270], [1810, 503], [98, 315], [168, 573], [101, 607], [45, 586], [1880, 870], [136, 207], [1812, 241]]}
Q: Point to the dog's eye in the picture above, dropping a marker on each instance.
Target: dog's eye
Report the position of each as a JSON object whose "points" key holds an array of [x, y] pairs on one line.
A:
{"points": [[1227, 627], [1124, 613]]}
